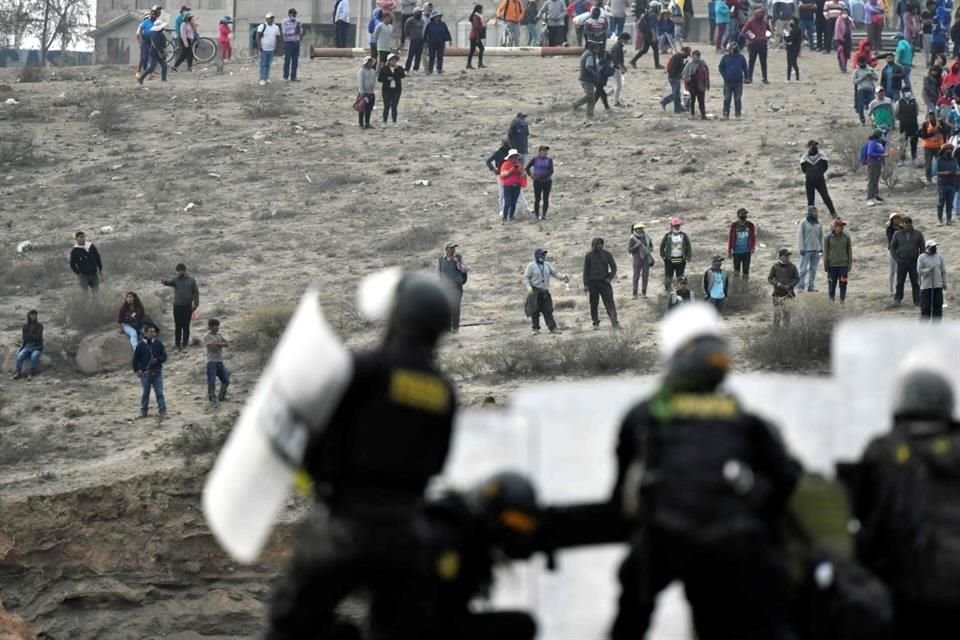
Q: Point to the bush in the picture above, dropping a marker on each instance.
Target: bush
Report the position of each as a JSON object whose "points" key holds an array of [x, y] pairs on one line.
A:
{"points": [[805, 343], [846, 147], [743, 296], [888, 173], [195, 440], [37, 274], [30, 73], [106, 110], [86, 313], [414, 239], [260, 330], [544, 356], [18, 149], [263, 102]]}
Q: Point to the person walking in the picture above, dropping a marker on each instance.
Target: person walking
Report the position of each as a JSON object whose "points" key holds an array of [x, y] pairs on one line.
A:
{"points": [[540, 170], [810, 246], [675, 67], [906, 246], [907, 112], [933, 282], [186, 299], [784, 278], [130, 318], [510, 13], [837, 259], [187, 34], [640, 248], [903, 55], [224, 33], [874, 154], [618, 58], [755, 31], [366, 85], [436, 35], [518, 133], [948, 180], [599, 271], [894, 224], [478, 31], [215, 344], [143, 39], [148, 359], [806, 10], [452, 267], [814, 165], [675, 251], [722, 19], [793, 42], [539, 301], [864, 85], [734, 71], [383, 35], [158, 52], [589, 79], [31, 346], [554, 13], [618, 17], [292, 31], [391, 82], [696, 77], [842, 34], [413, 30], [512, 178], [716, 282], [85, 262], [832, 10], [341, 23], [606, 72], [530, 22], [268, 35], [741, 243], [646, 36]]}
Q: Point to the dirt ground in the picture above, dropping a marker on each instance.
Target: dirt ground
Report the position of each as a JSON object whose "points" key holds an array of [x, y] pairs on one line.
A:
{"points": [[101, 535]]}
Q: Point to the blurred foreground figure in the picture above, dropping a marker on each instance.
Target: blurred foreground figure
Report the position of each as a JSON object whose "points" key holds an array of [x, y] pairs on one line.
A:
{"points": [[701, 489], [370, 465], [906, 495]]}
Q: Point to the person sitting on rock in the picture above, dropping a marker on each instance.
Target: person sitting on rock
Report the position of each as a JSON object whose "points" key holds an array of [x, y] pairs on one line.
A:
{"points": [[130, 318], [31, 346]]}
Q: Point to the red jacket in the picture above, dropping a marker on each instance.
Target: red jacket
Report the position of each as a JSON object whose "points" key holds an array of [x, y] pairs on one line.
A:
{"points": [[865, 51], [477, 26], [511, 173], [751, 237], [758, 26], [951, 78]]}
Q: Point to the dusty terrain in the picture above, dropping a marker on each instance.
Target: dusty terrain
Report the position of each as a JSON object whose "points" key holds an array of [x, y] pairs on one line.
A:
{"points": [[101, 534]]}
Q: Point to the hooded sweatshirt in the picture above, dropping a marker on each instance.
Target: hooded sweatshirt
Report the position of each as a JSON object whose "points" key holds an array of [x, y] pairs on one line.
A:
{"points": [[755, 29], [814, 166], [85, 260], [599, 264], [809, 235], [539, 271], [933, 272], [32, 335]]}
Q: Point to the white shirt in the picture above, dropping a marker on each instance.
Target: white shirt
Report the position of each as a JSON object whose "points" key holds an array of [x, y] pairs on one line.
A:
{"points": [[676, 245], [343, 11], [270, 35]]}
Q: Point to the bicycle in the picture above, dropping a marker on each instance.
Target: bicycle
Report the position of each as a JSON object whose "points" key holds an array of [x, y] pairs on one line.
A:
{"points": [[204, 49], [507, 36]]}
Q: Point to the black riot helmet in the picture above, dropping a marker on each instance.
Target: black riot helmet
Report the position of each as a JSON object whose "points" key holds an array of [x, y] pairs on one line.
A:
{"points": [[421, 312], [923, 392], [507, 505], [694, 350]]}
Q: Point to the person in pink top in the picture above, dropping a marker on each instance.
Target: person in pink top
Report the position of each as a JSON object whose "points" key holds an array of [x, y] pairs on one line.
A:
{"points": [[187, 35], [226, 51]]}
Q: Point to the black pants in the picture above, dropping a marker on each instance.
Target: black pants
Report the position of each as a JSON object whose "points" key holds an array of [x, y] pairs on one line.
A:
{"points": [[503, 625], [334, 558], [741, 264], [364, 116], [181, 324], [391, 98], [671, 269], [792, 65], [601, 289], [820, 186], [931, 304], [476, 45], [829, 30], [822, 36], [905, 268], [911, 137], [649, 43], [186, 54], [435, 58], [556, 35], [455, 316], [601, 95], [414, 53], [541, 188], [340, 34], [544, 307], [737, 586], [698, 97], [760, 51]]}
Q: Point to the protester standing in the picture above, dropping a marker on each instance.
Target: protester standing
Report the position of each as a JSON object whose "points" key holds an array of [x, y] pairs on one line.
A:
{"points": [[530, 22], [452, 267], [681, 295], [755, 31], [366, 85], [599, 271], [837, 259], [341, 23], [540, 169], [675, 251], [554, 12], [186, 299], [391, 81], [187, 34], [215, 343], [436, 35], [793, 41], [407, 8], [933, 133], [810, 245], [906, 246], [383, 34], [224, 32], [741, 243], [907, 113], [640, 247], [512, 178], [894, 224], [148, 359], [268, 35], [539, 300], [478, 31], [519, 135], [948, 179], [646, 36], [814, 165], [292, 31], [734, 71], [842, 35], [784, 277], [875, 154], [696, 76], [933, 282], [716, 282], [413, 30], [31, 346], [85, 262]]}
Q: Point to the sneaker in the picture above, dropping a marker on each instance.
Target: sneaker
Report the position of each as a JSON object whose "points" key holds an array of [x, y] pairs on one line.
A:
{"points": [[878, 199], [16, 376], [811, 289], [556, 330], [536, 331], [615, 326], [596, 325], [619, 104], [262, 82], [633, 63]]}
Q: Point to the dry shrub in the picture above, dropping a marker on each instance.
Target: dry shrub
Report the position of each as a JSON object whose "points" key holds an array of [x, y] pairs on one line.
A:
{"points": [[106, 110], [195, 440], [330, 181], [888, 173], [260, 330], [30, 73], [414, 239], [36, 274], [805, 343], [87, 312], [144, 256], [17, 148], [544, 356], [263, 102], [743, 296], [846, 145], [29, 444]]}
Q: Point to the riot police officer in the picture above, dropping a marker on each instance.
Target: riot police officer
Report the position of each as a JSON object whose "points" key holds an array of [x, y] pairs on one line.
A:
{"points": [[369, 466]]}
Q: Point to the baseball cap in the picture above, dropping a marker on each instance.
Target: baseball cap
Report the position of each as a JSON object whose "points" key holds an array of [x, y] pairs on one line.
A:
{"points": [[741, 211], [512, 152], [451, 244], [675, 221], [839, 222], [717, 258], [639, 225], [783, 252], [930, 243], [269, 15], [681, 279]]}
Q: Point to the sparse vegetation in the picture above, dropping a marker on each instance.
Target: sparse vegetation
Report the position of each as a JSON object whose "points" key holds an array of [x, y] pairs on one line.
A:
{"points": [[260, 330], [416, 238], [35, 274], [26, 444], [106, 110], [18, 148], [805, 343], [846, 145], [888, 173], [85, 313], [744, 296], [196, 440], [263, 102], [30, 73]]}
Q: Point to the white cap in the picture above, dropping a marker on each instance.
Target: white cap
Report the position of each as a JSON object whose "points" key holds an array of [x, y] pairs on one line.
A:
{"points": [[931, 243], [512, 152], [269, 15], [686, 322]]}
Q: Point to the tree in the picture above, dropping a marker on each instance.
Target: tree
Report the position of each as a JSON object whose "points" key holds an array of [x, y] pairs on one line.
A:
{"points": [[65, 20], [16, 20]]}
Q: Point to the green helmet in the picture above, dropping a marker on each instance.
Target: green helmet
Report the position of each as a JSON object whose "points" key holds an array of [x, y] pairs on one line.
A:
{"points": [[924, 393]]}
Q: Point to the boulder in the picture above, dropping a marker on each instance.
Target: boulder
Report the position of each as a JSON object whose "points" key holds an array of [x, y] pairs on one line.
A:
{"points": [[14, 628], [102, 352], [8, 358]]}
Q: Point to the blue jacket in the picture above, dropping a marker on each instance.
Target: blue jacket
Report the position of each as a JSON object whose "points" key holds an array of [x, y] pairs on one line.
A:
{"points": [[874, 151], [711, 10], [666, 27], [733, 68], [436, 34], [149, 356], [722, 12]]}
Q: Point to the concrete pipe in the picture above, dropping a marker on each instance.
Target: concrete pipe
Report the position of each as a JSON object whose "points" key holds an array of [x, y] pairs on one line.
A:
{"points": [[328, 52]]}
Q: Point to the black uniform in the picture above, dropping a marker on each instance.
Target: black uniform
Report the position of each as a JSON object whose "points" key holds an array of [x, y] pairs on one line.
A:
{"points": [[694, 525], [599, 270], [389, 435]]}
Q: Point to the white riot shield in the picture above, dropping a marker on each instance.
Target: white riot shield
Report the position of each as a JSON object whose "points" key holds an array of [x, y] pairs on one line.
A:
{"points": [[866, 355], [300, 388]]}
